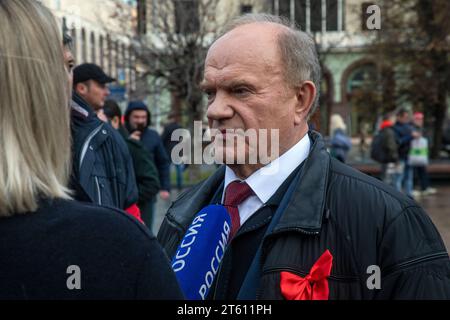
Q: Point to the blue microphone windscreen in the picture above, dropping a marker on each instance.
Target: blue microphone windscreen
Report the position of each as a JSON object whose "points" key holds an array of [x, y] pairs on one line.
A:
{"points": [[198, 256]]}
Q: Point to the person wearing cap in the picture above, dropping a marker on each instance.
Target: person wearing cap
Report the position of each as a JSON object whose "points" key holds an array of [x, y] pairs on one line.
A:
{"points": [[102, 168], [89, 81], [137, 122]]}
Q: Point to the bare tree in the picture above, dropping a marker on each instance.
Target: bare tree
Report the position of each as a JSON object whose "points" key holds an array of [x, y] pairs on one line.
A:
{"points": [[171, 56], [412, 50]]}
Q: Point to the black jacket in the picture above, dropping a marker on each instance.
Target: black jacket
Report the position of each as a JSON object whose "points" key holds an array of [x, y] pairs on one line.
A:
{"points": [[403, 134], [360, 220], [102, 166], [116, 256], [152, 141], [144, 169]]}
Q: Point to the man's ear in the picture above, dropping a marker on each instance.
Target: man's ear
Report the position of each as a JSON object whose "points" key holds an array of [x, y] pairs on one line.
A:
{"points": [[82, 88], [115, 121], [306, 94]]}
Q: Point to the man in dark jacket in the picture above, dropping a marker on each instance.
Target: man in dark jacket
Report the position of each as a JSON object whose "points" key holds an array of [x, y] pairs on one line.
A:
{"points": [[311, 227], [404, 134], [137, 120], [146, 174], [385, 150], [102, 166]]}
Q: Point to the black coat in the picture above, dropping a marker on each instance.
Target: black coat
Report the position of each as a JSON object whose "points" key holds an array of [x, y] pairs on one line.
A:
{"points": [[152, 141], [360, 220], [116, 256], [403, 134], [102, 166], [145, 170]]}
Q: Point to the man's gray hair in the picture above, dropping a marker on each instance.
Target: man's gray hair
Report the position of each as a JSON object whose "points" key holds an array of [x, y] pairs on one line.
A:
{"points": [[297, 48]]}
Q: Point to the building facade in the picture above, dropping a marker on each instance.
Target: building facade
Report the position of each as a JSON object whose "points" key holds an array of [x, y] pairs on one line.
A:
{"points": [[102, 33]]}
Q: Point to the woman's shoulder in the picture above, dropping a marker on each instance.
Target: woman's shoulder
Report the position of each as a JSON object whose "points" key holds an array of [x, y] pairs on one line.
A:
{"points": [[91, 217]]}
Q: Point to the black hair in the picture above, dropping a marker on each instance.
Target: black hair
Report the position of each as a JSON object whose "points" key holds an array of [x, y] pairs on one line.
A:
{"points": [[112, 109], [401, 112]]}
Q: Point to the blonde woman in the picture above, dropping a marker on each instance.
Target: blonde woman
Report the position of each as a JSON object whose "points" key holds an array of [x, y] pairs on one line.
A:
{"points": [[50, 246], [340, 142]]}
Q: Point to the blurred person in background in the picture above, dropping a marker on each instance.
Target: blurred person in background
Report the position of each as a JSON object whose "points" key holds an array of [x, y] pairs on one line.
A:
{"points": [[418, 157], [340, 142], [166, 138], [146, 174], [137, 122], [404, 134], [51, 246], [389, 150]]}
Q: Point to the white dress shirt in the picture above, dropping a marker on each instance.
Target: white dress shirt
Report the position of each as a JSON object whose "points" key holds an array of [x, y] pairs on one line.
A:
{"points": [[266, 181]]}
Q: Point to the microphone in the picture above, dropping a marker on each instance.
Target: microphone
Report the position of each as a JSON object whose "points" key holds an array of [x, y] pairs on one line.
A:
{"points": [[198, 256]]}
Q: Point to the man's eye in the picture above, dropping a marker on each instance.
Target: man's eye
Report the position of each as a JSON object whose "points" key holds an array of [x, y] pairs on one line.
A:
{"points": [[241, 91], [210, 94]]}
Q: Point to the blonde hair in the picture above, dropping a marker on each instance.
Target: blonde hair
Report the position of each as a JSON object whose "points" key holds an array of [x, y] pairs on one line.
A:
{"points": [[35, 147], [337, 122]]}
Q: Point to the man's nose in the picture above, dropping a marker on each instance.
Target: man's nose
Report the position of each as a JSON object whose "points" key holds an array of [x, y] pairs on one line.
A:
{"points": [[220, 109], [107, 92]]}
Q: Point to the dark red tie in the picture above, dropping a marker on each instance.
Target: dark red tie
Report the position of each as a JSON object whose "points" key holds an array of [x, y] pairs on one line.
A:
{"points": [[235, 194]]}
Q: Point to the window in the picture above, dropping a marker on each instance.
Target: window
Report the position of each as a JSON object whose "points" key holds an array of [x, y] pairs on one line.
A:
{"points": [[132, 74], [102, 52], [117, 59], [300, 13], [284, 8], [332, 15], [73, 34], [312, 15], [246, 9], [123, 76], [186, 16], [109, 53], [83, 46], [93, 55], [316, 15], [142, 17]]}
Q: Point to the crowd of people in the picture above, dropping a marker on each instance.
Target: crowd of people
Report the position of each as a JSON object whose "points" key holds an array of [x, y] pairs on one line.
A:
{"points": [[401, 146], [78, 192]]}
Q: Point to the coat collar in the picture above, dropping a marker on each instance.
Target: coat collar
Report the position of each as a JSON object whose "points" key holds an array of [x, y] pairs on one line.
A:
{"points": [[81, 108], [304, 210]]}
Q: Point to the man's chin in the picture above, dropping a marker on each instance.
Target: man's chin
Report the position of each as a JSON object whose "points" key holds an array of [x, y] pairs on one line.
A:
{"points": [[230, 156]]}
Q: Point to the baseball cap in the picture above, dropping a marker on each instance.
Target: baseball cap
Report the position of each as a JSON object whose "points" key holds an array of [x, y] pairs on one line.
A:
{"points": [[90, 71]]}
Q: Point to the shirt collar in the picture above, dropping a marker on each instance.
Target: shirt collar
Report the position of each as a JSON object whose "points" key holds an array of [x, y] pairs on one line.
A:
{"points": [[267, 180]]}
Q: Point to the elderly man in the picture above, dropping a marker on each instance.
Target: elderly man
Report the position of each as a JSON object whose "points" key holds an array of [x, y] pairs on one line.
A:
{"points": [[314, 228]]}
